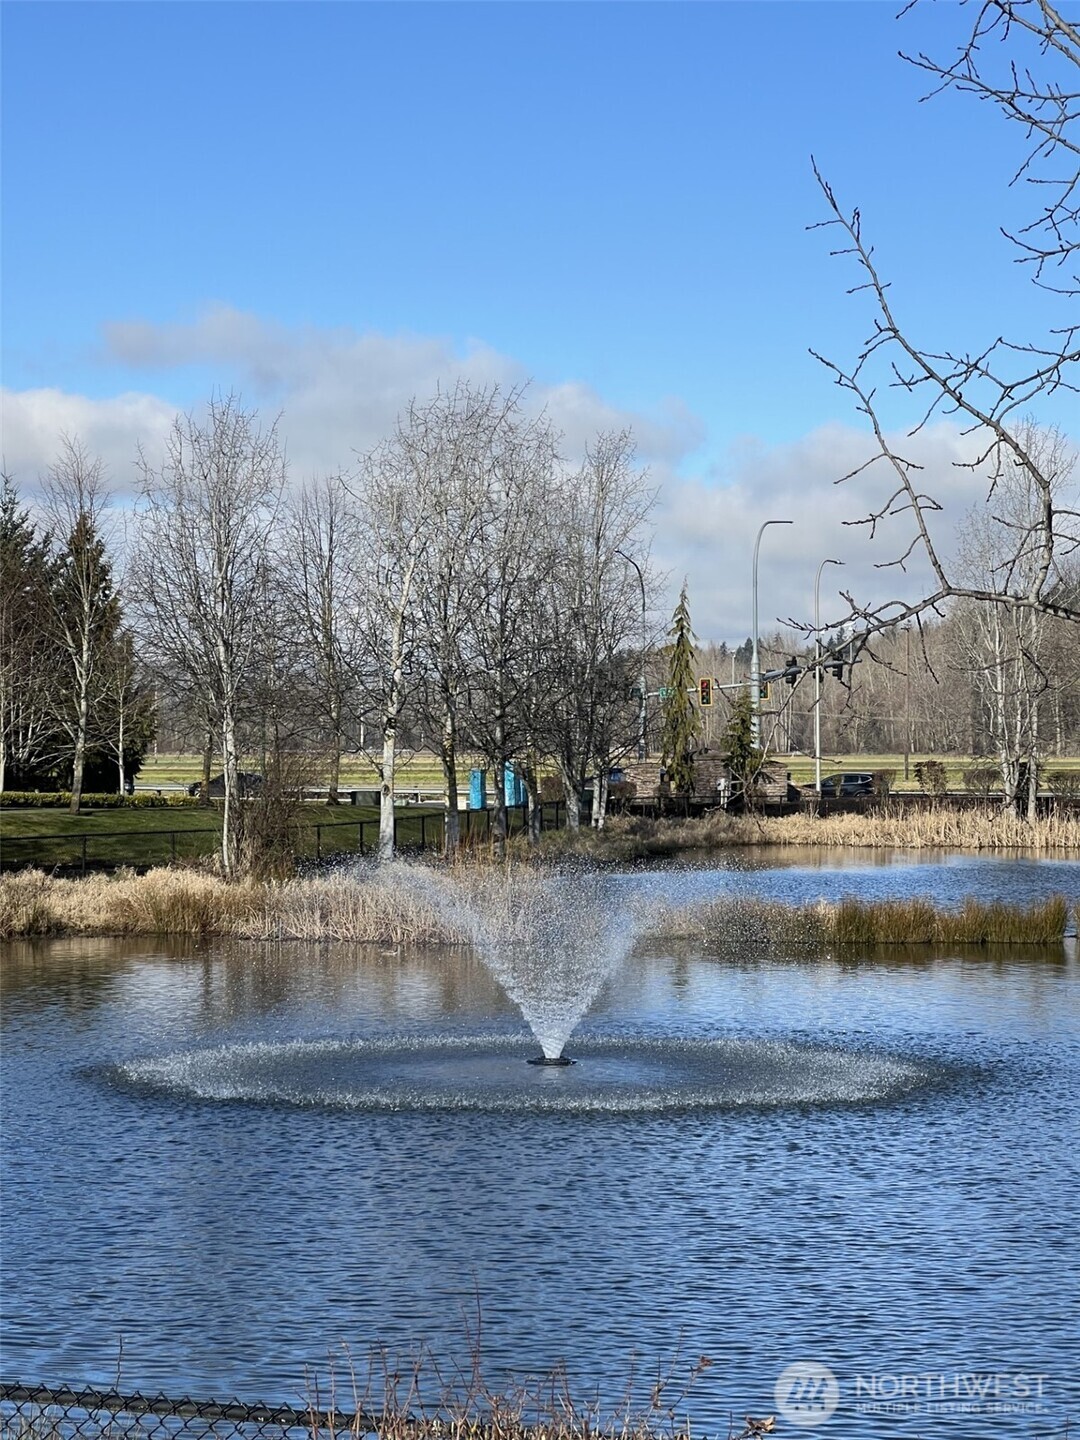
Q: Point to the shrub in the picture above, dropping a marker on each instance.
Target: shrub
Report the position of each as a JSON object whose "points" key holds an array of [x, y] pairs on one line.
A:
{"points": [[982, 780], [932, 777], [883, 782], [61, 799], [1064, 784]]}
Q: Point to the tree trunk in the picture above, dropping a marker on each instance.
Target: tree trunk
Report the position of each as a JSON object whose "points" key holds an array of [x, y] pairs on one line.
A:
{"points": [[207, 766], [498, 824], [600, 798], [535, 815], [120, 750], [335, 757], [572, 793], [80, 753], [386, 794], [1033, 766], [231, 772], [448, 755]]}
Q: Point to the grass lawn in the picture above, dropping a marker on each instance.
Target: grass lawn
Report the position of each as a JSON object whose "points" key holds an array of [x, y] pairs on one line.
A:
{"points": [[802, 766], [423, 771], [143, 837]]}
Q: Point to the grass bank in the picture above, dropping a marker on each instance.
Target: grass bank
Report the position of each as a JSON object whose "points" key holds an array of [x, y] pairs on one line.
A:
{"points": [[990, 829], [144, 837], [377, 907]]}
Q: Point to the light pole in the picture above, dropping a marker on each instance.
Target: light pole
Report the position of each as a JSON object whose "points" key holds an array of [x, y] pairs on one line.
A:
{"points": [[817, 673], [643, 738], [755, 661], [907, 699]]}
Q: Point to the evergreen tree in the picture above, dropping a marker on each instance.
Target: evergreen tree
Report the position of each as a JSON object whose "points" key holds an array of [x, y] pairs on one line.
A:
{"points": [[741, 755], [28, 661], [680, 717]]}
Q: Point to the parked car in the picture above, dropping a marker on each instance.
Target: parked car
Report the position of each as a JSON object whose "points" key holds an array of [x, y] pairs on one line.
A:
{"points": [[857, 782]]}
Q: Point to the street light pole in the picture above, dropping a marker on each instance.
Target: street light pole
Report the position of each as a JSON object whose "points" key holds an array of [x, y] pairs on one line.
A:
{"points": [[817, 673], [755, 659], [907, 699], [643, 738]]}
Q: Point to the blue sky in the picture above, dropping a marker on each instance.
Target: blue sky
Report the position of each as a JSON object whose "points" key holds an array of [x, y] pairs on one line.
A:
{"points": [[609, 198]]}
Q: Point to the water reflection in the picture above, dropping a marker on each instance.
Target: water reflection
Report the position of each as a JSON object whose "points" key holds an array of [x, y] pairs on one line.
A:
{"points": [[233, 1246]]}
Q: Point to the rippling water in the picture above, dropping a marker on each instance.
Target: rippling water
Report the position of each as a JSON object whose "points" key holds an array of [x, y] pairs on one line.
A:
{"points": [[215, 1155]]}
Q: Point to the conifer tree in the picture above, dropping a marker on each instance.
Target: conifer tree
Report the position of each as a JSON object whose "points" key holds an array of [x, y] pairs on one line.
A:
{"points": [[741, 755], [680, 718]]}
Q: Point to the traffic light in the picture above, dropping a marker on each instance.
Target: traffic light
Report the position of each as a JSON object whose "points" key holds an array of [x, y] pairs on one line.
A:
{"points": [[763, 690], [836, 666], [791, 670], [705, 692]]}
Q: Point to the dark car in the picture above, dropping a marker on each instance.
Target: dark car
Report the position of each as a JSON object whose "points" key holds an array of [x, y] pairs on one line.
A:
{"points": [[852, 783]]}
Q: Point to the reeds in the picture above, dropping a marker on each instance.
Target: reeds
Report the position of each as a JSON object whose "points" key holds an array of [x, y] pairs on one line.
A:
{"points": [[918, 922], [364, 906], [746, 928], [890, 827], [379, 906]]}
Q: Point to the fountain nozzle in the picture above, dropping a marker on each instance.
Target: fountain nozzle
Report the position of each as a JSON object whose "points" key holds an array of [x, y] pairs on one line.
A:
{"points": [[557, 1060]]}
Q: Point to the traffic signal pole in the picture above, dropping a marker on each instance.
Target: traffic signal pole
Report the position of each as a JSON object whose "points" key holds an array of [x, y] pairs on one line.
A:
{"points": [[817, 673], [755, 658]]}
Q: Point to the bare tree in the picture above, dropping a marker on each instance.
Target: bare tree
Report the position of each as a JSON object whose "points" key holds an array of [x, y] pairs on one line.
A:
{"points": [[600, 570], [126, 712], [1006, 646], [320, 577], [392, 520], [450, 440], [991, 387], [201, 568], [84, 611], [512, 553]]}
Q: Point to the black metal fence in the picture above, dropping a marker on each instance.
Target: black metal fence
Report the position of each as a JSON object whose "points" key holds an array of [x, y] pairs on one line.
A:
{"points": [[37, 1412], [319, 842]]}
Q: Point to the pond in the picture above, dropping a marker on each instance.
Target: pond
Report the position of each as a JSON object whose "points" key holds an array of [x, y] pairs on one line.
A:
{"points": [[227, 1166]]}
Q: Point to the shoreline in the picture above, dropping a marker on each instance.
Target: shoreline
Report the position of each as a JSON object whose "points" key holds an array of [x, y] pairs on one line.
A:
{"points": [[376, 908]]}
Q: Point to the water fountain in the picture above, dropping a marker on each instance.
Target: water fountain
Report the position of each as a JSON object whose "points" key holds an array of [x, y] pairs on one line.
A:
{"points": [[553, 939]]}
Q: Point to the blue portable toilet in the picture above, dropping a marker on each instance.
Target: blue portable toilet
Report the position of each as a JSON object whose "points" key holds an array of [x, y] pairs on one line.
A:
{"points": [[477, 789], [514, 787]]}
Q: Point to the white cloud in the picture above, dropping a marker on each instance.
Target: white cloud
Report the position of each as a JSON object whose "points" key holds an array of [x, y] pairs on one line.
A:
{"points": [[339, 393], [33, 421], [707, 527]]}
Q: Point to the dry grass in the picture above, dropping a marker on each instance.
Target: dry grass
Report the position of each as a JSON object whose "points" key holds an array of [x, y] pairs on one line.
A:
{"points": [[918, 922], [940, 828], [385, 907], [365, 906], [749, 927], [161, 902], [399, 1398]]}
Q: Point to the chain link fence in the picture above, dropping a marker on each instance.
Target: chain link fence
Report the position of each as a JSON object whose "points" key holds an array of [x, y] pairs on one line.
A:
{"points": [[37, 1412]]}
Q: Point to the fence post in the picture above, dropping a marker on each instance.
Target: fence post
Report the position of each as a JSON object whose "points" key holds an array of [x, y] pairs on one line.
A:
{"points": [[84, 855], [172, 846], [423, 832], [318, 842]]}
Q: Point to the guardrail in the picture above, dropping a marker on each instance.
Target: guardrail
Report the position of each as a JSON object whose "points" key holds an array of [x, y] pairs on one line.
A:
{"points": [[321, 841]]}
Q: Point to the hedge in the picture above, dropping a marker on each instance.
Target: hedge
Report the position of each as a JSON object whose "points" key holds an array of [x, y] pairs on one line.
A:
{"points": [[61, 799]]}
